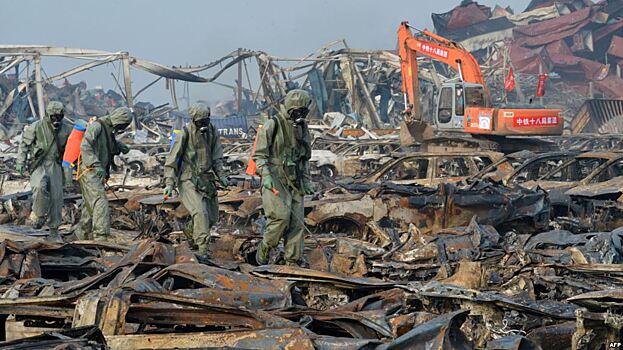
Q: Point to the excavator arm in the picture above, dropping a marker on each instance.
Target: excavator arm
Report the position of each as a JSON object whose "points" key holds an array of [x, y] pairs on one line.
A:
{"points": [[439, 49]]}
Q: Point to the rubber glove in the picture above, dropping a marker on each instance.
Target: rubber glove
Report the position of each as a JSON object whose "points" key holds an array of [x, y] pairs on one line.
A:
{"points": [[168, 191], [267, 182], [223, 180]]}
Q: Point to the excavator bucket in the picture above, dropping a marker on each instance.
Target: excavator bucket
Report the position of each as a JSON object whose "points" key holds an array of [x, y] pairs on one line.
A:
{"points": [[413, 132]]}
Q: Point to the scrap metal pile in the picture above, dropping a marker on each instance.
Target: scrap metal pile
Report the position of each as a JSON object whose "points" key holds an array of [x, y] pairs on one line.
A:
{"points": [[576, 43], [468, 263], [451, 248]]}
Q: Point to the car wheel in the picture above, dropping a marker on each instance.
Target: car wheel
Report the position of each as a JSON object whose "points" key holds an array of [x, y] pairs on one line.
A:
{"points": [[328, 171], [136, 168], [152, 152], [236, 166]]}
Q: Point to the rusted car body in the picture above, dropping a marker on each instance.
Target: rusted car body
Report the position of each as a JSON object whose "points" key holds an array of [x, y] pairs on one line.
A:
{"points": [[595, 206], [583, 169], [430, 209], [519, 167], [430, 169]]}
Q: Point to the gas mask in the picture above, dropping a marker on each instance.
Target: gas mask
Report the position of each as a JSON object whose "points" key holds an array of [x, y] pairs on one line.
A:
{"points": [[298, 115], [203, 124], [57, 120]]}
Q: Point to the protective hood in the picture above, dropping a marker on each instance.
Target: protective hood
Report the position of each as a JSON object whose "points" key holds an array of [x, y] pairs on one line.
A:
{"points": [[297, 99], [199, 111], [53, 108], [121, 116]]}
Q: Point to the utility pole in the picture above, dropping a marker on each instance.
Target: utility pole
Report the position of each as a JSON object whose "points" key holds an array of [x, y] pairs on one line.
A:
{"points": [[239, 85], [127, 82], [39, 86]]}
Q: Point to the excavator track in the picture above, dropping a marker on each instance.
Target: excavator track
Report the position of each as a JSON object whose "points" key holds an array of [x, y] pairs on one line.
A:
{"points": [[458, 142]]}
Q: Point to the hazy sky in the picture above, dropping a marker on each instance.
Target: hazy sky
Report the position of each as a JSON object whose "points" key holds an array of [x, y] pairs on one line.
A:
{"points": [[179, 32]]}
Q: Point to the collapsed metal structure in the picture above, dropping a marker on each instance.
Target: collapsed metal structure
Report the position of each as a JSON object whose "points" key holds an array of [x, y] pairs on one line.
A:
{"points": [[363, 85]]}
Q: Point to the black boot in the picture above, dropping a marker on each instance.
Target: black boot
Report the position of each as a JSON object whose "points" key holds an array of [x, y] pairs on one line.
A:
{"points": [[38, 224]]}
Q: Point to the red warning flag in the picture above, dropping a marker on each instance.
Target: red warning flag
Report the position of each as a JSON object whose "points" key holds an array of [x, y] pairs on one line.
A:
{"points": [[540, 88], [509, 82]]}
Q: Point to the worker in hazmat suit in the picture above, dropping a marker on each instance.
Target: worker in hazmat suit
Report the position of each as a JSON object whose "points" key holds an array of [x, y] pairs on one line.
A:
{"points": [[41, 152], [97, 150], [195, 165], [282, 156]]}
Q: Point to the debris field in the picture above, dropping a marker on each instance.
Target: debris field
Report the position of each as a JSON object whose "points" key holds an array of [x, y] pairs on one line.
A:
{"points": [[443, 244]]}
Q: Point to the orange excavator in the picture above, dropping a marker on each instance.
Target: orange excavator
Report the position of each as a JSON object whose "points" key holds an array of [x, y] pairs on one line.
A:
{"points": [[465, 105]]}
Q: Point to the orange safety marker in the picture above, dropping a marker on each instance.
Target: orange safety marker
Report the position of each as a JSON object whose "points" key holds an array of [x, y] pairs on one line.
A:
{"points": [[251, 167]]}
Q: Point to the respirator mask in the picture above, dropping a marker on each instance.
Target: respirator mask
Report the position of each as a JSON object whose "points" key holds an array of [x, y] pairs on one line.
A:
{"points": [[298, 115], [203, 124], [57, 120]]}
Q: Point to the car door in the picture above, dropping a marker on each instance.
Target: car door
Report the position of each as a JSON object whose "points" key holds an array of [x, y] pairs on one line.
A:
{"points": [[349, 161]]}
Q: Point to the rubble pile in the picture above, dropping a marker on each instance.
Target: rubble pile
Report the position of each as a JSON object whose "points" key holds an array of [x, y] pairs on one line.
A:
{"points": [[442, 245], [79, 101], [449, 249], [474, 263], [473, 285], [350, 87]]}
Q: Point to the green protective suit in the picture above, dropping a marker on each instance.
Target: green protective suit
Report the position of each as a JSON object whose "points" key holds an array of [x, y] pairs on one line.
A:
{"points": [[41, 152], [97, 151], [282, 152], [195, 164]]}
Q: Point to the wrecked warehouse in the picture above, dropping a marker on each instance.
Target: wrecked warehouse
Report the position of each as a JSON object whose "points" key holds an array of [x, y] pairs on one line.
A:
{"points": [[439, 204]]}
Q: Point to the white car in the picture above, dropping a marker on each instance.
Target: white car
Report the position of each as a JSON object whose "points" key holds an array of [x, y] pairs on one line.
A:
{"points": [[352, 159]]}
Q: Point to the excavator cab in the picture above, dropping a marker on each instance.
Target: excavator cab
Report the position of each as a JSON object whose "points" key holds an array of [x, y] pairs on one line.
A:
{"points": [[453, 99]]}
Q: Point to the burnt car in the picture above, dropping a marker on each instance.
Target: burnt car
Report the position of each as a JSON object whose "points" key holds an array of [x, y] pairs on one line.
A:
{"points": [[503, 167], [351, 159], [236, 157], [432, 168], [516, 168], [139, 163], [595, 206], [583, 169], [430, 209], [537, 166]]}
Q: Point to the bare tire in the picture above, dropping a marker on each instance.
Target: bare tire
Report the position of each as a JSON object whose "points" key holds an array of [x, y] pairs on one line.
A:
{"points": [[328, 171]]}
